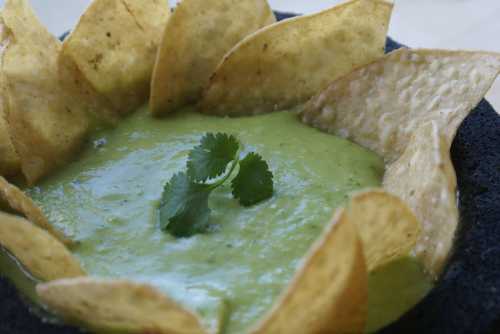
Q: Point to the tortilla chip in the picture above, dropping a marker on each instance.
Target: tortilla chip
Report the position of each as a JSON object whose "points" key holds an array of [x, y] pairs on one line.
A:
{"points": [[118, 305], [99, 109], [381, 104], [46, 124], [285, 64], [19, 202], [151, 16], [197, 36], [329, 293], [114, 46], [387, 227], [40, 253], [9, 160], [425, 179]]}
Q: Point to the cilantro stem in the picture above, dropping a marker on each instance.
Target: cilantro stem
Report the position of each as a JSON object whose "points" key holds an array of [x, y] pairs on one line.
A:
{"points": [[234, 163]]}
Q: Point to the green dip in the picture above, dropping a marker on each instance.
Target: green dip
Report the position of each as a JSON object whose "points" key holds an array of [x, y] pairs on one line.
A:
{"points": [[108, 201]]}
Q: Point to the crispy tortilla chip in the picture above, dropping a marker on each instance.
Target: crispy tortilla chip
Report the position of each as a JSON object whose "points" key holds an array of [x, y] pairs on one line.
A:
{"points": [[387, 227], [46, 124], [197, 36], [118, 305], [381, 104], [285, 64], [151, 16], [99, 108], [40, 253], [20, 203], [113, 48], [9, 160], [329, 293], [425, 179]]}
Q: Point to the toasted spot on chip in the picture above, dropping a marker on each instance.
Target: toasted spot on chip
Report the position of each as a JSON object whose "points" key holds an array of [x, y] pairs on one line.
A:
{"points": [[118, 305], [286, 63], [45, 123], [113, 47], [380, 105], [98, 107], [387, 227], [425, 179], [329, 292], [40, 253], [20, 203], [198, 34]]}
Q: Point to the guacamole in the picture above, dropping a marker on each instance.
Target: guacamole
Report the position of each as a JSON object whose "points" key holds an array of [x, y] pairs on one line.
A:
{"points": [[108, 201]]}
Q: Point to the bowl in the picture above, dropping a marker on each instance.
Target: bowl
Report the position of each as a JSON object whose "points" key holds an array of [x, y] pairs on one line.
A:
{"points": [[466, 298]]}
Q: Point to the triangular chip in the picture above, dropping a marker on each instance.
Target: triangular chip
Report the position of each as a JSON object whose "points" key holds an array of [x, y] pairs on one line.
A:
{"points": [[425, 179], [17, 201], [46, 124], [40, 253], [329, 292], [387, 227], [118, 305], [198, 34], [285, 64], [113, 48], [381, 104]]}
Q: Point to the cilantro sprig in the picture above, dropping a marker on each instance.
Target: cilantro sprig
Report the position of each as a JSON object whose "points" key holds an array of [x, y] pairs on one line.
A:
{"points": [[184, 209]]}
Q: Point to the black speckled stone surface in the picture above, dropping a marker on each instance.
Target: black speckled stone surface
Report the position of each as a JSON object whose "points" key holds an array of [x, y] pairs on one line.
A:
{"points": [[467, 298]]}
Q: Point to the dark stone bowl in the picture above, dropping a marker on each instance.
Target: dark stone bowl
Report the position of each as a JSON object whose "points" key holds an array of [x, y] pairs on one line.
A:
{"points": [[466, 300]]}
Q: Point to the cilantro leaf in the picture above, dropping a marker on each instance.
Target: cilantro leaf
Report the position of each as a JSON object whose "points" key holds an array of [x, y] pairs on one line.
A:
{"points": [[211, 157], [254, 182], [184, 207]]}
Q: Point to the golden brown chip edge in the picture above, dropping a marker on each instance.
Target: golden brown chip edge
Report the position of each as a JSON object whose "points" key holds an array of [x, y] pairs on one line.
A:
{"points": [[117, 304], [397, 227], [39, 252], [212, 101]]}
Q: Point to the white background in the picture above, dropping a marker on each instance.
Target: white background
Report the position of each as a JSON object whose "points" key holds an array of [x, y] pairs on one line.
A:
{"points": [[465, 24]]}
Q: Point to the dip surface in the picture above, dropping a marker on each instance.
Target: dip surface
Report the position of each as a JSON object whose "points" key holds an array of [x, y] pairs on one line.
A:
{"points": [[108, 200]]}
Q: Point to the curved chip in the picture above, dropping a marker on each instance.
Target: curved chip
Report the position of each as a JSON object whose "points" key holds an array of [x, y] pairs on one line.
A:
{"points": [[40, 253], [198, 34], [46, 124], [19, 202], [387, 227], [425, 179], [329, 293], [285, 64], [113, 48], [380, 105], [118, 305]]}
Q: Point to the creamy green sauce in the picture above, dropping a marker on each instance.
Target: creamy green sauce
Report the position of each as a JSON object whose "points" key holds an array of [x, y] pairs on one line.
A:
{"points": [[393, 290], [108, 200]]}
